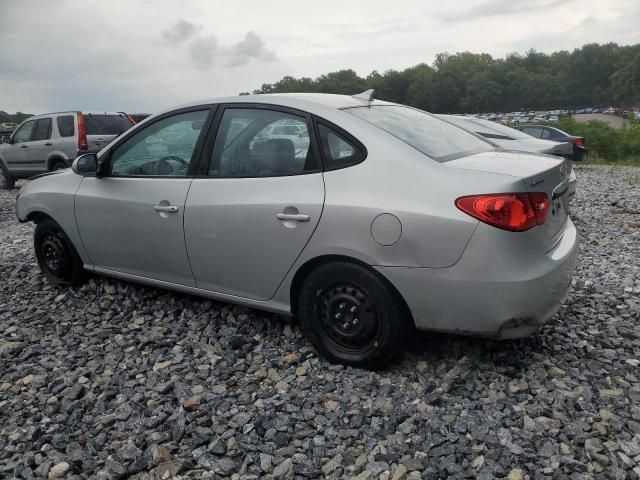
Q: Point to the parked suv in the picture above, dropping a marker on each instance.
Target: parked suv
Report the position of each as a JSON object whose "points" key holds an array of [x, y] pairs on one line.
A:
{"points": [[44, 143]]}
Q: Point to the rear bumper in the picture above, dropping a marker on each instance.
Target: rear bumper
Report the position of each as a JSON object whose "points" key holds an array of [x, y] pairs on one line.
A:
{"points": [[491, 291]]}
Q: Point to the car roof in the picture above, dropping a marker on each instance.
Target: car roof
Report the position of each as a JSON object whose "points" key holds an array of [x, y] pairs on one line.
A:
{"points": [[302, 101], [71, 112]]}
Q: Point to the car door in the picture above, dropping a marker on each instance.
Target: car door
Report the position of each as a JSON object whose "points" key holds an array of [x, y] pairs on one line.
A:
{"points": [[257, 203], [131, 219], [17, 156], [40, 145]]}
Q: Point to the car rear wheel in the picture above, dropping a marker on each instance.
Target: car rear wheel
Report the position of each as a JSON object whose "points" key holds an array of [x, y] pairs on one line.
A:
{"points": [[58, 165], [56, 256], [7, 182], [351, 316]]}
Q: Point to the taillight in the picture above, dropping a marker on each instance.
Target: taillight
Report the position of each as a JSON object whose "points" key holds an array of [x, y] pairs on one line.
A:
{"points": [[82, 134], [515, 212], [579, 142]]}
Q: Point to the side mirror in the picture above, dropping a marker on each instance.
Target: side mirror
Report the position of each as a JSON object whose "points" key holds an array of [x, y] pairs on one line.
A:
{"points": [[86, 165], [5, 139]]}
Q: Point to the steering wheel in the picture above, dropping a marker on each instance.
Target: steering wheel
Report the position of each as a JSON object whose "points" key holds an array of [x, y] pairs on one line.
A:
{"points": [[165, 167], [182, 162]]}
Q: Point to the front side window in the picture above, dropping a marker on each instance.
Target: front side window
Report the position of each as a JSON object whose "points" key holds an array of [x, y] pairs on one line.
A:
{"points": [[424, 132], [23, 134], [338, 151], [65, 126], [261, 143], [43, 129], [164, 148]]}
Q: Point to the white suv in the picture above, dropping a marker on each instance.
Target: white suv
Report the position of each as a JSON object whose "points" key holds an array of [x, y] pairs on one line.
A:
{"points": [[44, 143]]}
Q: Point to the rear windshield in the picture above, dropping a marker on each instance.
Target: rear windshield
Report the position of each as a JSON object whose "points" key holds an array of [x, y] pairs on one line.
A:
{"points": [[102, 124], [488, 128], [426, 133]]}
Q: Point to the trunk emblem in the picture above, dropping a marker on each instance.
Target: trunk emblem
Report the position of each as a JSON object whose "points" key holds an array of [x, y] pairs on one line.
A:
{"points": [[536, 181]]}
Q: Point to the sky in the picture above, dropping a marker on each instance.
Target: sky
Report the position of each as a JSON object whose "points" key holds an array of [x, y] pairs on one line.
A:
{"points": [[148, 55]]}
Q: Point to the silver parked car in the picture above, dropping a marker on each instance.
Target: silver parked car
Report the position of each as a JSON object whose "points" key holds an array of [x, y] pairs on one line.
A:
{"points": [[511, 139], [49, 142], [391, 219]]}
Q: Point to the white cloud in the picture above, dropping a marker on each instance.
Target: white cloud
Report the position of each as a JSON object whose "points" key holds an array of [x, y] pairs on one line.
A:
{"points": [[180, 31]]}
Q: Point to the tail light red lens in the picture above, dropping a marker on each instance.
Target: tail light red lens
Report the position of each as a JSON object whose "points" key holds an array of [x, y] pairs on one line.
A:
{"points": [[516, 212], [579, 142], [82, 134]]}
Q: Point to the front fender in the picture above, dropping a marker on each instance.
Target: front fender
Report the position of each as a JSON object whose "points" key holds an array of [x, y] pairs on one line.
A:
{"points": [[53, 195]]}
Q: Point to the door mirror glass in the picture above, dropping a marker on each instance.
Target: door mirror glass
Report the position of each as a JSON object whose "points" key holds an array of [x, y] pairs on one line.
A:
{"points": [[86, 165]]}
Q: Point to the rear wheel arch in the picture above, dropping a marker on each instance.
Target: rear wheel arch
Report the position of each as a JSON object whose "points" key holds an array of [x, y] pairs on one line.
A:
{"points": [[53, 160], [303, 272]]}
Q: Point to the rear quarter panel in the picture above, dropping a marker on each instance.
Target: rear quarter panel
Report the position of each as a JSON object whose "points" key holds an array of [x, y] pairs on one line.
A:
{"points": [[395, 178]]}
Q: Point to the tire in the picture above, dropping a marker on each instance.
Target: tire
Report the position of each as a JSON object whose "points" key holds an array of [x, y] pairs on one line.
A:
{"points": [[351, 316], [56, 255], [58, 164], [7, 181]]}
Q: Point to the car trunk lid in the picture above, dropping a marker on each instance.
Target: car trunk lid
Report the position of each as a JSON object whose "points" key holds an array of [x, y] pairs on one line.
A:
{"points": [[539, 173]]}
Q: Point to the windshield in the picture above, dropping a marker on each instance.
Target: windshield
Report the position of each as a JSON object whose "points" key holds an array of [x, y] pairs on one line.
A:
{"points": [[106, 124], [433, 137]]}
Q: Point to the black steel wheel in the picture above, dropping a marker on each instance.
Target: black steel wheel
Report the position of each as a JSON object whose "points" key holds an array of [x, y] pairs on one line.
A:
{"points": [[349, 316], [58, 165], [56, 255], [352, 316]]}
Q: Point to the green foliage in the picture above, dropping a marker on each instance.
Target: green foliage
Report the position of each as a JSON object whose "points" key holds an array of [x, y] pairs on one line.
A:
{"points": [[593, 75], [18, 117]]}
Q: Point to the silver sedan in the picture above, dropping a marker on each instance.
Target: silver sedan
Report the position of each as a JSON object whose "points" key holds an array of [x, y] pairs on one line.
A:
{"points": [[378, 220]]}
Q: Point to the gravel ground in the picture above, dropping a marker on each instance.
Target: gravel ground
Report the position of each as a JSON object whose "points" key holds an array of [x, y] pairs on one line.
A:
{"points": [[113, 380]]}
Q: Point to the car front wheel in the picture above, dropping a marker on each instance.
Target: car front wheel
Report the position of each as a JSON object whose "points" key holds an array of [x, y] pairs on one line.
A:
{"points": [[352, 316], [56, 255]]}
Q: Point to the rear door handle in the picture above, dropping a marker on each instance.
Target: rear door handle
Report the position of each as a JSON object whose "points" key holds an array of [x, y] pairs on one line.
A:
{"points": [[24, 146], [166, 208], [48, 144], [296, 217]]}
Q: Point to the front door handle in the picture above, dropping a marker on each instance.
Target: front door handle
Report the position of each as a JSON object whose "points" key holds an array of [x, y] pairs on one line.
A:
{"points": [[166, 208], [296, 217], [48, 144], [24, 146]]}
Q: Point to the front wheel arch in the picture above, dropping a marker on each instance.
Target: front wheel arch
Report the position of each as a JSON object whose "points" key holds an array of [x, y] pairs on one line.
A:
{"points": [[38, 217], [303, 272]]}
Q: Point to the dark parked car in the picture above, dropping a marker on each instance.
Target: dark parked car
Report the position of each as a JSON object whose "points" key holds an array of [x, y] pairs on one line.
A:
{"points": [[557, 135]]}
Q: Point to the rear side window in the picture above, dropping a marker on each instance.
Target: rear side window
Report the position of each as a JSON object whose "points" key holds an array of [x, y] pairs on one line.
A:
{"points": [[66, 126], [43, 129], [100, 124], [261, 143], [338, 150], [424, 132]]}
